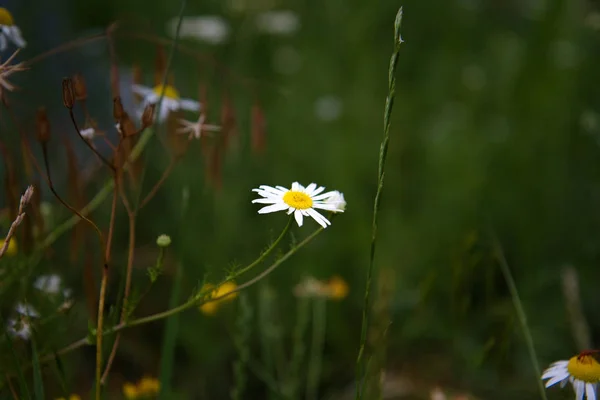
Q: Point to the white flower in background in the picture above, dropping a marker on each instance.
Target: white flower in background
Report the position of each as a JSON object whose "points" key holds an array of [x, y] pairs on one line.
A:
{"points": [[88, 133], [206, 28], [328, 108], [9, 31], [68, 300], [26, 310], [298, 200], [583, 371], [197, 128], [282, 22], [310, 287], [48, 283], [171, 101], [19, 328], [336, 200]]}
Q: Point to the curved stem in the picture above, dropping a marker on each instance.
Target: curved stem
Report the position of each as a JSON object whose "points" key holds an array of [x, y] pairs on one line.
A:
{"points": [[88, 143], [265, 254], [77, 215], [191, 303]]}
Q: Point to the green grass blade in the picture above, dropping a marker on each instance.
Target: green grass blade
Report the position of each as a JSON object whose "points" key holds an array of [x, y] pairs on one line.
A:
{"points": [[22, 382], [38, 383], [168, 346]]}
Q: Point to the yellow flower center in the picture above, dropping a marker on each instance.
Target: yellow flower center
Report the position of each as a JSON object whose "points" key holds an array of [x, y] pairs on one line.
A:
{"points": [[297, 200], [584, 368], [6, 17], [170, 91]]}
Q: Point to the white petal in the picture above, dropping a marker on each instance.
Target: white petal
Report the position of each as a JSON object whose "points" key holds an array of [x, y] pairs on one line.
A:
{"points": [[17, 37], [282, 188], [298, 216], [310, 188], [189, 105], [579, 389], [318, 190], [143, 91], [590, 391], [273, 208], [163, 113], [321, 220], [270, 195], [296, 187], [265, 201], [273, 190], [326, 195], [326, 206], [556, 379]]}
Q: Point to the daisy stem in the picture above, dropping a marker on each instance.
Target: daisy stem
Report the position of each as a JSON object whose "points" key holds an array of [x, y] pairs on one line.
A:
{"points": [[193, 302], [514, 294], [389, 104], [264, 254]]}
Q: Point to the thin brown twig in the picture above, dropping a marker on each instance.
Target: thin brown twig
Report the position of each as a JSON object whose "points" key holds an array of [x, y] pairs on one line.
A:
{"points": [[158, 184], [64, 203], [130, 257], [13, 392], [88, 143], [25, 199], [103, 284]]}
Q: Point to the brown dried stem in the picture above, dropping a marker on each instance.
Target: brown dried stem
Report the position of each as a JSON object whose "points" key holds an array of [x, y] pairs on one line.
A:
{"points": [[158, 184], [130, 257], [64, 203], [88, 143], [25, 199]]}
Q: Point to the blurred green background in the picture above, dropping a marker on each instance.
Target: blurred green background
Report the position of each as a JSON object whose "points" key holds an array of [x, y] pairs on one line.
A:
{"points": [[495, 129]]}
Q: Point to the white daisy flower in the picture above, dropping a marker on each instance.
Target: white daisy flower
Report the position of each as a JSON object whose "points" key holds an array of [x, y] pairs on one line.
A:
{"points": [[298, 200], [20, 329], [9, 31], [583, 371], [48, 283], [26, 310], [197, 128], [337, 200], [171, 101]]}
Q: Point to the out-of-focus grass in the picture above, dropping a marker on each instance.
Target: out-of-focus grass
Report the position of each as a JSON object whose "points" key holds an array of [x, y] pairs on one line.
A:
{"points": [[497, 123]]}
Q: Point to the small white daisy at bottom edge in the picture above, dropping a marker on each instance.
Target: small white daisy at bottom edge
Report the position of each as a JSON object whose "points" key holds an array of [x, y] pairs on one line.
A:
{"points": [[301, 201], [583, 371]]}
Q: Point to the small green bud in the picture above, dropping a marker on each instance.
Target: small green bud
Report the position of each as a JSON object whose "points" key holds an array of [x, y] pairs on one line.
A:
{"points": [[163, 241]]}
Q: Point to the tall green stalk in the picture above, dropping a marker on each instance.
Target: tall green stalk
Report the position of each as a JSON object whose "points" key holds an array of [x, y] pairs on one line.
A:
{"points": [[514, 294], [389, 105]]}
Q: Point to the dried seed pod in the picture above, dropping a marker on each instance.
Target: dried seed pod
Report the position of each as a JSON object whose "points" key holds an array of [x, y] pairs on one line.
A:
{"points": [[118, 110], [42, 126], [148, 116], [79, 87], [126, 126], [67, 93]]}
